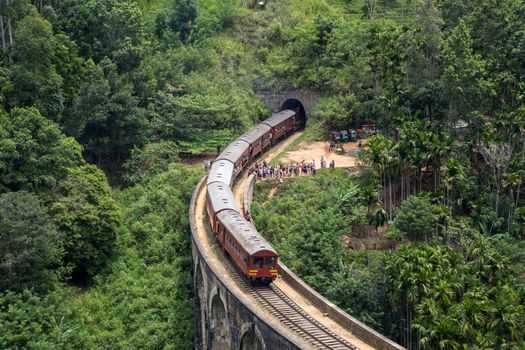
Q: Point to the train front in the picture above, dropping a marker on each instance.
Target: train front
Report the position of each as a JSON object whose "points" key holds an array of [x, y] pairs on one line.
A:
{"points": [[263, 266]]}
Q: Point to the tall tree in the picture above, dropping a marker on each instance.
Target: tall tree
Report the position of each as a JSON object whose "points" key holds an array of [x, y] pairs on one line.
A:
{"points": [[464, 80], [423, 59], [34, 154], [30, 244], [183, 15], [35, 81], [84, 211]]}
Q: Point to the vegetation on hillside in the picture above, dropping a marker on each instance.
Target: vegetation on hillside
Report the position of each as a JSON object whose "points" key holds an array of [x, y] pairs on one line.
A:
{"points": [[122, 89], [451, 285]]}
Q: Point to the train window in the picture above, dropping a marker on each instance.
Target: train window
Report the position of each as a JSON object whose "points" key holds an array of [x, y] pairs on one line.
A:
{"points": [[258, 263], [270, 262]]}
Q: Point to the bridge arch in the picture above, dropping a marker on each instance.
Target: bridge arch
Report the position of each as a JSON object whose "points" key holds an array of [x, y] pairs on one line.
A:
{"points": [[200, 296], [251, 338], [220, 338]]}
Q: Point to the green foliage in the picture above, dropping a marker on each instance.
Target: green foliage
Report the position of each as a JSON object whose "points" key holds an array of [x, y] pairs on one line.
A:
{"points": [[146, 300], [84, 211], [152, 159], [104, 29], [30, 244], [31, 321], [306, 242], [460, 299], [464, 75], [35, 81], [34, 154], [418, 218], [105, 116], [182, 17]]}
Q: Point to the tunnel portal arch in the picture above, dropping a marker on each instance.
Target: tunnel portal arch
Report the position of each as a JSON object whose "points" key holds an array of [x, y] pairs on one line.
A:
{"points": [[296, 105]]}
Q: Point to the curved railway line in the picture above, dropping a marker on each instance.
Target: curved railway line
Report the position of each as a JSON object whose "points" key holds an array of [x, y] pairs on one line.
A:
{"points": [[291, 315], [294, 314]]}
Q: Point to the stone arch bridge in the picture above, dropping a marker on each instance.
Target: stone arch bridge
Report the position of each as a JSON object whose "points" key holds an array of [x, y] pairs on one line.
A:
{"points": [[226, 317]]}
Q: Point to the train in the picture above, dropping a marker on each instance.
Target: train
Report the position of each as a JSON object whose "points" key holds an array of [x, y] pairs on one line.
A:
{"points": [[251, 253]]}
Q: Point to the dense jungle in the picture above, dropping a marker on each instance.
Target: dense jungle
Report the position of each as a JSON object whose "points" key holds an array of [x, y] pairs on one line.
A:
{"points": [[108, 107]]}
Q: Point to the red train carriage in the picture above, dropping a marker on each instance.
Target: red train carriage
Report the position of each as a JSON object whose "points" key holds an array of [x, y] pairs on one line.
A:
{"points": [[237, 153], [259, 138], [219, 198], [221, 171], [250, 251], [254, 256], [282, 123]]}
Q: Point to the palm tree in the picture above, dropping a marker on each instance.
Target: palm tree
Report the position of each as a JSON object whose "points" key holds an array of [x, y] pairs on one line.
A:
{"points": [[511, 180], [369, 194], [390, 164], [378, 219], [373, 155], [345, 196]]}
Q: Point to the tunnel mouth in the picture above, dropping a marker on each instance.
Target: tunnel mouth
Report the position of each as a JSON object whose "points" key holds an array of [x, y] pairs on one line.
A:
{"points": [[297, 106]]}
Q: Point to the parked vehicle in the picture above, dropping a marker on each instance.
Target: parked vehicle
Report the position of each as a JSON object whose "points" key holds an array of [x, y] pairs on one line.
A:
{"points": [[352, 135], [344, 136], [335, 136], [369, 129]]}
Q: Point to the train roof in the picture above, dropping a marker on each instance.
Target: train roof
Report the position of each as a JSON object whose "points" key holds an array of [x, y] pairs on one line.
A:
{"points": [[221, 197], [244, 232], [280, 117], [221, 171], [234, 151], [255, 133]]}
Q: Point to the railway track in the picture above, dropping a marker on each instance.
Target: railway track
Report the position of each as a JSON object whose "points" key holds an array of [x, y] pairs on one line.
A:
{"points": [[288, 313]]}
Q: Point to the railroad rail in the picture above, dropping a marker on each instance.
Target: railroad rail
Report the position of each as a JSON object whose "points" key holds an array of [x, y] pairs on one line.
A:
{"points": [[290, 314], [232, 313]]}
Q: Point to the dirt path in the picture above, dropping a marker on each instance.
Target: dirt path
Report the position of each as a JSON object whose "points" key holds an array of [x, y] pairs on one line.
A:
{"points": [[238, 192], [274, 152], [272, 192], [317, 149], [240, 186]]}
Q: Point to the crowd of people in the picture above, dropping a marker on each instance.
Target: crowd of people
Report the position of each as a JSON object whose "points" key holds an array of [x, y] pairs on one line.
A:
{"points": [[264, 170]]}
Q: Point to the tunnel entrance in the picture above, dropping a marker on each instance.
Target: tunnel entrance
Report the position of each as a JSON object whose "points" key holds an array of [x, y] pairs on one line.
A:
{"points": [[219, 325], [297, 106], [250, 341]]}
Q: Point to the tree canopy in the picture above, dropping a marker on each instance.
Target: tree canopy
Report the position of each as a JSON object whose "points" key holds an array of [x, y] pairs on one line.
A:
{"points": [[30, 243], [34, 154]]}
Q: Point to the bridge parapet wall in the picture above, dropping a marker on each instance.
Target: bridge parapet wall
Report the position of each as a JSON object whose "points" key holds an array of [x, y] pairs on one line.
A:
{"points": [[361, 330], [226, 318]]}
